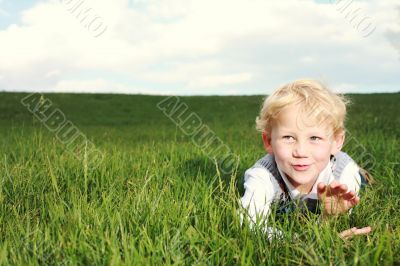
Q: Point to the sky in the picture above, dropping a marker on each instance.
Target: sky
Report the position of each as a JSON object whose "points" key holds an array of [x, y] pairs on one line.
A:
{"points": [[198, 47]]}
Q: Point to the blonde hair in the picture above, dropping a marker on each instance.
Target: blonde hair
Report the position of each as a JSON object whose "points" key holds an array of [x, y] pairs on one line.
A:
{"points": [[314, 99]]}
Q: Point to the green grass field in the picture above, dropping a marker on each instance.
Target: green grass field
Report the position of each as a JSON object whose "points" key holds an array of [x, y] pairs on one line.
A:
{"points": [[157, 198]]}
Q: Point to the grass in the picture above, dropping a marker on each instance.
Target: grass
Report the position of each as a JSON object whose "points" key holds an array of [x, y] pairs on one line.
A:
{"points": [[156, 198]]}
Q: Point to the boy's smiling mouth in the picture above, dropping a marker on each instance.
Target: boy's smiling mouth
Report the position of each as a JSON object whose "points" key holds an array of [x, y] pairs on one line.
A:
{"points": [[301, 167]]}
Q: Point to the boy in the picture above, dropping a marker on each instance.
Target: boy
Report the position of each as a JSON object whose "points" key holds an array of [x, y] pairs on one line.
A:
{"points": [[302, 126]]}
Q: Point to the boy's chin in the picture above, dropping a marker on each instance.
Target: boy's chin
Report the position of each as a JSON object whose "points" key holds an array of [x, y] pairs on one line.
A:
{"points": [[301, 180]]}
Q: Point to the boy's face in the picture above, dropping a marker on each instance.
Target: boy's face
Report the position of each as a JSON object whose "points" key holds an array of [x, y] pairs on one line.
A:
{"points": [[301, 149]]}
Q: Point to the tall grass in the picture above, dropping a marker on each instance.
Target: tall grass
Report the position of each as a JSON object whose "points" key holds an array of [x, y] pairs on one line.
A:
{"points": [[157, 199]]}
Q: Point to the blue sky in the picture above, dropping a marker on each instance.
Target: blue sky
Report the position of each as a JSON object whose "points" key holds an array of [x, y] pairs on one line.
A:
{"points": [[198, 47], [10, 11]]}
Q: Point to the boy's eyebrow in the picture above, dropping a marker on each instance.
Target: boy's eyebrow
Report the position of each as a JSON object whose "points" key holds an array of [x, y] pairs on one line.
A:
{"points": [[283, 131], [322, 132]]}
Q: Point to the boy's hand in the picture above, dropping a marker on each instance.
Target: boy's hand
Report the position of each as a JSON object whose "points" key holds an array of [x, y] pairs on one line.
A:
{"points": [[336, 199], [349, 233]]}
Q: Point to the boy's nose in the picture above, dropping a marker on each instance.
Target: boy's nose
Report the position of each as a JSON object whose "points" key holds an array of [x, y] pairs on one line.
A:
{"points": [[299, 150]]}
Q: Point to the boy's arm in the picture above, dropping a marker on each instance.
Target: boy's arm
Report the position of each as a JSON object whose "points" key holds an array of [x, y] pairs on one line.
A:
{"points": [[257, 197], [256, 201]]}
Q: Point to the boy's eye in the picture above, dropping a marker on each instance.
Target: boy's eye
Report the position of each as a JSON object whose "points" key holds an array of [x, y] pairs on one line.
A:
{"points": [[315, 138], [288, 137]]}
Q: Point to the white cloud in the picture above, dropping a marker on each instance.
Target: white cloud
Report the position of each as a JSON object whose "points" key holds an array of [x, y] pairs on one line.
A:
{"points": [[393, 33], [102, 86], [344, 87], [198, 47], [215, 81], [94, 85], [52, 73]]}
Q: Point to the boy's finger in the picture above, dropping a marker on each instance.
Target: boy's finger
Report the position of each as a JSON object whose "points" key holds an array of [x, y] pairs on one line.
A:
{"points": [[363, 231], [347, 233], [360, 231], [334, 184], [328, 189], [321, 188], [355, 231], [354, 201], [338, 190], [349, 195]]}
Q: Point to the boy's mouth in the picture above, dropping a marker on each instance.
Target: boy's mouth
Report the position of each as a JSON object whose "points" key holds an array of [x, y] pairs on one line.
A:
{"points": [[300, 167]]}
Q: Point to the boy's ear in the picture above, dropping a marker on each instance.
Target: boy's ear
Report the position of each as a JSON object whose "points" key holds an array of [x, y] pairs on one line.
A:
{"points": [[267, 142], [338, 142]]}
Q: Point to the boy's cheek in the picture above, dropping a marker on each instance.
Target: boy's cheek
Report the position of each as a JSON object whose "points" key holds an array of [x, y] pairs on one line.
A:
{"points": [[282, 154]]}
